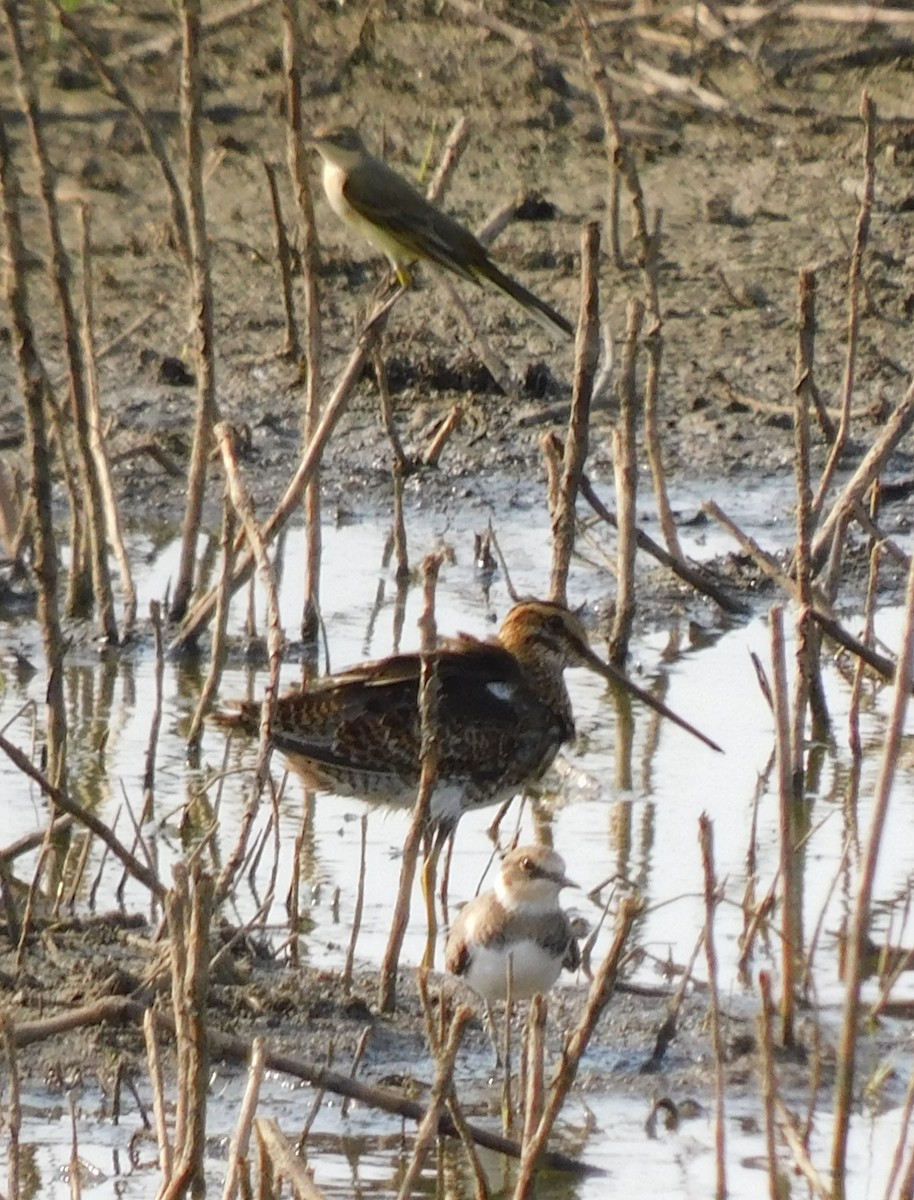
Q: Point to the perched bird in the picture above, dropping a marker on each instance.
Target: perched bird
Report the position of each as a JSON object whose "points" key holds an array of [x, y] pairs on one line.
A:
{"points": [[518, 925], [377, 203], [503, 711]]}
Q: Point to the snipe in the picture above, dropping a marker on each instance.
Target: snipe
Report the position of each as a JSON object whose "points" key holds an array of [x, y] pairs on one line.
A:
{"points": [[503, 712]]}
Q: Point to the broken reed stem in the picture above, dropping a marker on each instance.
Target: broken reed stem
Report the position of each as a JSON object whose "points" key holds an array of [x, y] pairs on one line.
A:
{"points": [[292, 345], [419, 824], [653, 442], [278, 1161], [400, 545], [199, 616], [200, 306], [586, 355], [444, 1072], [296, 159], [601, 990], [189, 909], [432, 453], [791, 933], [854, 274], [860, 922], [451, 153], [359, 903], [219, 646], [14, 1110], [869, 615], [776, 1184], [154, 1063], [239, 1148], [712, 899], [96, 440], [149, 770], [60, 272], [808, 690], [401, 462], [625, 471], [535, 1066], [895, 429]]}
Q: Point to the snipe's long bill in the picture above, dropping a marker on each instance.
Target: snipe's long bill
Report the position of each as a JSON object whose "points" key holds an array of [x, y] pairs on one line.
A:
{"points": [[503, 712]]}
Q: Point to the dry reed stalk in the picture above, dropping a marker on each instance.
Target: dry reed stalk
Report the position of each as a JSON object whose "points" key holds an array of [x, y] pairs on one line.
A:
{"points": [[219, 647], [359, 903], [154, 1063], [791, 931], [292, 345], [493, 363], [122, 1010], [859, 927], [535, 1066], [601, 990], [401, 551], [769, 1085], [279, 1161], [766, 562], [808, 689], [14, 1111], [59, 268], [441, 1088], [307, 228], [74, 1167], [96, 440], [418, 827], [586, 354], [895, 429], [401, 462], [432, 453], [189, 909], [200, 305], [201, 612], [869, 613], [507, 1101], [149, 770], [861, 237], [682, 569], [907, 1187], [625, 472], [451, 153], [239, 1148], [316, 1105], [712, 899]]}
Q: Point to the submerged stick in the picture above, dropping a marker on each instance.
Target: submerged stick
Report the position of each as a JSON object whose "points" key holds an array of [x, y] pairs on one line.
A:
{"points": [[121, 1010]]}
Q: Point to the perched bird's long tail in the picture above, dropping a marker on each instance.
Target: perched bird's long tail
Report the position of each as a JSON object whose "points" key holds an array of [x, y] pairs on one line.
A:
{"points": [[538, 309]]}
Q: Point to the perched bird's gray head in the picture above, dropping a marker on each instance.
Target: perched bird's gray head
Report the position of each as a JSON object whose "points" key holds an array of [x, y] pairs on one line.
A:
{"points": [[340, 145]]}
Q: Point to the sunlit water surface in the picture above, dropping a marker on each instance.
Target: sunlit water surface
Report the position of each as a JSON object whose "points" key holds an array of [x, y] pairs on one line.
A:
{"points": [[633, 814]]}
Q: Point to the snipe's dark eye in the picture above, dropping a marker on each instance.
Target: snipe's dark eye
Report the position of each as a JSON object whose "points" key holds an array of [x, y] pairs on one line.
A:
{"points": [[527, 864], [557, 623]]}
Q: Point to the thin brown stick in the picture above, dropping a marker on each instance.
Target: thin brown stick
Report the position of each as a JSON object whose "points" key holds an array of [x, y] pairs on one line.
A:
{"points": [[219, 647], [586, 354], [291, 347], [855, 270], [359, 902], [790, 933], [598, 997], [625, 471], [712, 899], [154, 1063], [14, 1110], [241, 1138], [441, 1087], [96, 440], [859, 927], [201, 306]]}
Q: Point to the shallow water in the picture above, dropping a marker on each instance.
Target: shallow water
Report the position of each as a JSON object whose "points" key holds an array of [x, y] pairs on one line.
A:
{"points": [[633, 814]]}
